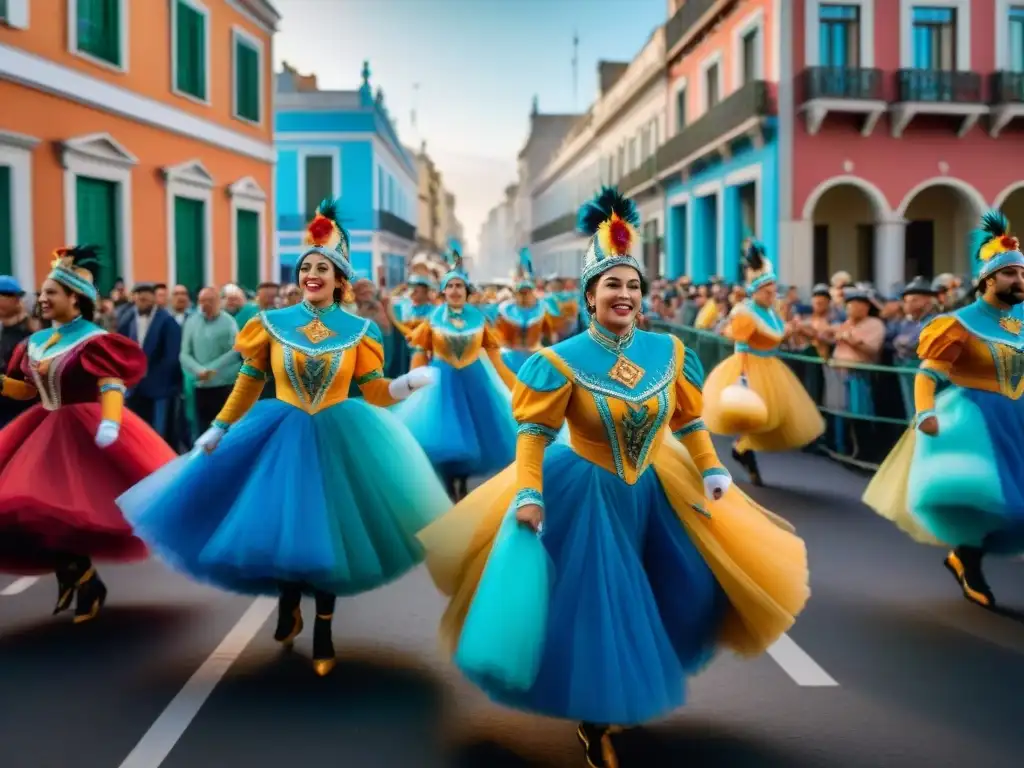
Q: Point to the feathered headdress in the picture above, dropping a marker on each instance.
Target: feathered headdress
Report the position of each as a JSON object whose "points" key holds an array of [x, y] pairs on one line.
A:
{"points": [[75, 267], [993, 247], [524, 272], [455, 270], [326, 236], [611, 221], [421, 271], [757, 268]]}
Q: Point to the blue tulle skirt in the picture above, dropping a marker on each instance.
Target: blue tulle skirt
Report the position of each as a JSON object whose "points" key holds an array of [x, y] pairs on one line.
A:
{"points": [[514, 358], [332, 500], [633, 609], [966, 484], [464, 420]]}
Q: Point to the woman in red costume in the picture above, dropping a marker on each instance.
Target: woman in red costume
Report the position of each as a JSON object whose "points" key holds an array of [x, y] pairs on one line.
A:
{"points": [[65, 460]]}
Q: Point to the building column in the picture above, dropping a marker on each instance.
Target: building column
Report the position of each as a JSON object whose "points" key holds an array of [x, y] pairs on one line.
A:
{"points": [[795, 262], [732, 234], [890, 254]]}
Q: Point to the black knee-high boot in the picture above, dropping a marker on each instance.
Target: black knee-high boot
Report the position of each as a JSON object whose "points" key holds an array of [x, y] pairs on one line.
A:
{"points": [[965, 565], [323, 643], [90, 590], [69, 571], [289, 613]]}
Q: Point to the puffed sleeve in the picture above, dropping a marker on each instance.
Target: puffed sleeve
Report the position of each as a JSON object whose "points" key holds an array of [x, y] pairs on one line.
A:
{"points": [[13, 384], [253, 344], [539, 400], [939, 346], [741, 325], [503, 330], [492, 348], [421, 344], [118, 364], [369, 371], [686, 422]]}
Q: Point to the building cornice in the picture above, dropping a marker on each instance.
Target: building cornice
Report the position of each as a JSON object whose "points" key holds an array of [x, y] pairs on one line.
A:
{"points": [[259, 12]]}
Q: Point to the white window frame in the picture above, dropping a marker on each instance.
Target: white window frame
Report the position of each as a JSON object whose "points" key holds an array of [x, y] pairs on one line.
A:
{"points": [[17, 14], [753, 21], [84, 157], [123, 33], [963, 30], [247, 195], [16, 154], [1002, 32], [240, 34], [812, 20], [332, 152], [205, 13], [711, 60], [190, 180]]}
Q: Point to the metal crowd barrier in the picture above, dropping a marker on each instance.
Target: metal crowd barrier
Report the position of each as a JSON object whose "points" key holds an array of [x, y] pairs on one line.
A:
{"points": [[866, 407]]}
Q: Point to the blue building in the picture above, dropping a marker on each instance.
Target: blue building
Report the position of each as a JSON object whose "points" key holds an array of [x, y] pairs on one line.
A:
{"points": [[343, 144]]}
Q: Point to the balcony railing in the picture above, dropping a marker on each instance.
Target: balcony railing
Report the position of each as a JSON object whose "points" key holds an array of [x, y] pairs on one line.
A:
{"points": [[388, 222], [638, 176], [560, 226], [684, 19], [843, 83], [751, 100], [1006, 88], [938, 86]]}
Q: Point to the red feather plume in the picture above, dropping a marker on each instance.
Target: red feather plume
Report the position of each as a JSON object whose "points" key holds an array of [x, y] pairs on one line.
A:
{"points": [[1010, 243], [320, 230], [619, 234]]}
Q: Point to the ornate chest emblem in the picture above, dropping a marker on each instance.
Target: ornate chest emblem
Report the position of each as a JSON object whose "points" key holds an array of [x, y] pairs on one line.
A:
{"points": [[316, 331], [458, 344], [636, 426], [626, 372], [1011, 325]]}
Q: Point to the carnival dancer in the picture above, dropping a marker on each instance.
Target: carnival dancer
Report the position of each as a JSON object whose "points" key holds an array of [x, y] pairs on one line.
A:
{"points": [[523, 323], [960, 482], [57, 491], [752, 393], [657, 560], [309, 492], [464, 422]]}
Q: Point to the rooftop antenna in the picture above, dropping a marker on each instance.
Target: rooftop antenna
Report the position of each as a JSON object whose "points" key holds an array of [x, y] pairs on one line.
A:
{"points": [[575, 70]]}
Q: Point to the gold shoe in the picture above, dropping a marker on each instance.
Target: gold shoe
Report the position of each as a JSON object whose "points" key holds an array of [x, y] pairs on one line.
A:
{"points": [[92, 594], [324, 667], [297, 625]]}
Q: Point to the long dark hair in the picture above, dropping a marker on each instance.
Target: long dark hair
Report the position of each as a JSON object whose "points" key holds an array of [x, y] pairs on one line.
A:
{"points": [[592, 286]]}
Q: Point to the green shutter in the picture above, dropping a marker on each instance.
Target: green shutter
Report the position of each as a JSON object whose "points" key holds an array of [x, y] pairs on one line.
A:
{"points": [[6, 230], [247, 229], [99, 29], [97, 202], [247, 81], [190, 77], [189, 243], [319, 182], [3, 9]]}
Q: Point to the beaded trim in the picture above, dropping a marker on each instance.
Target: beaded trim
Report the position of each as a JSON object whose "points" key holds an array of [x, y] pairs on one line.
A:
{"points": [[923, 415], [715, 472], [538, 430], [252, 372], [111, 387], [931, 373], [221, 424], [597, 386], [689, 428], [366, 378], [528, 496], [742, 346], [339, 345]]}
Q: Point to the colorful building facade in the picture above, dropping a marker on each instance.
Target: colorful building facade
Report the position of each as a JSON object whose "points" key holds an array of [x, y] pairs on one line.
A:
{"points": [[343, 144], [149, 135]]}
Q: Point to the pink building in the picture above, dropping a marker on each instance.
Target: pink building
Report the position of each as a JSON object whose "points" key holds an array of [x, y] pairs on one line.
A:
{"points": [[897, 128]]}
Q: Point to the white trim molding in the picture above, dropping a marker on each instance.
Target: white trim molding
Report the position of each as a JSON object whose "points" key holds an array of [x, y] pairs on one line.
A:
{"points": [[751, 174], [972, 195], [242, 35], [258, 12], [294, 140], [753, 21], [1004, 195], [17, 14], [883, 211], [812, 41], [247, 195], [123, 38], [71, 84], [775, 63], [16, 153], [1002, 35], [100, 156], [963, 30], [713, 59], [325, 151], [203, 11], [190, 180]]}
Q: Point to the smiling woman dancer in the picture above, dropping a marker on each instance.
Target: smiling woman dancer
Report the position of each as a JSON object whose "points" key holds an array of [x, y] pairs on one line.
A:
{"points": [[311, 491], [80, 373], [657, 559]]}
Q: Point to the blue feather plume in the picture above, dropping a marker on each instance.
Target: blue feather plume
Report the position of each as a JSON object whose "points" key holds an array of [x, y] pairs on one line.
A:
{"points": [[755, 256], [525, 262], [594, 213], [993, 224]]}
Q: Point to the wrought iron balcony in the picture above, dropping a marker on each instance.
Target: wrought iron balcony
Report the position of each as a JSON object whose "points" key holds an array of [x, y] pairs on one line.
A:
{"points": [[684, 20], [747, 105], [638, 177], [937, 92], [560, 226], [842, 83], [1006, 94], [388, 222]]}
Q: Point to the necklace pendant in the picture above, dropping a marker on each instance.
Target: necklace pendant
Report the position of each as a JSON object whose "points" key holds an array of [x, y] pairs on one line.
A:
{"points": [[457, 322], [316, 331], [1011, 325], [626, 372]]}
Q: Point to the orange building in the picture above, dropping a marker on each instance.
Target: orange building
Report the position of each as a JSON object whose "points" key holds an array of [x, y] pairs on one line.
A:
{"points": [[149, 134]]}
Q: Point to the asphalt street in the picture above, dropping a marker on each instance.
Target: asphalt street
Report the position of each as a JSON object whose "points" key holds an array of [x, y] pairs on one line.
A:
{"points": [[888, 667]]}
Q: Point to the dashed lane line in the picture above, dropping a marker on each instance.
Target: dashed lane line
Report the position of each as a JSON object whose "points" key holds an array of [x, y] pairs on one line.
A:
{"points": [[18, 586], [796, 663]]}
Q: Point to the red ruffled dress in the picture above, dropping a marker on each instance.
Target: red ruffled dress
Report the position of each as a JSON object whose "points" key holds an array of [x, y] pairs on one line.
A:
{"points": [[57, 488]]}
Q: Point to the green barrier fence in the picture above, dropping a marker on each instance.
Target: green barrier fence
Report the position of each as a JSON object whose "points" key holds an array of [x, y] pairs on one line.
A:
{"points": [[865, 406]]}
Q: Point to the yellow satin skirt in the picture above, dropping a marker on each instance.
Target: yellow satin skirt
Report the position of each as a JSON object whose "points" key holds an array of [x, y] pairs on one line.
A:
{"points": [[793, 418], [754, 555], [886, 494]]}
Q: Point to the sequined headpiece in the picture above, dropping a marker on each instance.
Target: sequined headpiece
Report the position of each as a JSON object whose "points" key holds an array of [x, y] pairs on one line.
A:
{"points": [[758, 270], [75, 267], [455, 270], [993, 247], [326, 236], [611, 221], [421, 272], [524, 272]]}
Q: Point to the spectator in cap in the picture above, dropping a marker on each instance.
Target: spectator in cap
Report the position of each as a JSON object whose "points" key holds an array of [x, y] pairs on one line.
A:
{"points": [[918, 308], [14, 328]]}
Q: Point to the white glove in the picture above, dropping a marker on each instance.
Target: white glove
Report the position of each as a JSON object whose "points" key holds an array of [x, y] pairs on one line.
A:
{"points": [[408, 383], [210, 438], [107, 433], [716, 485]]}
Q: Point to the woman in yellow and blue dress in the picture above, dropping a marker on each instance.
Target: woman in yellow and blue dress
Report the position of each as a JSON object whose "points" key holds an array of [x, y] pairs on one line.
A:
{"points": [[523, 323], [464, 422], [752, 393], [657, 560], [311, 491], [960, 482]]}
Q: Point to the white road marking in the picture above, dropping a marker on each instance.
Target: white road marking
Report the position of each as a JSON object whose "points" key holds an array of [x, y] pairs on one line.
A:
{"points": [[19, 586], [798, 665], [172, 723]]}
